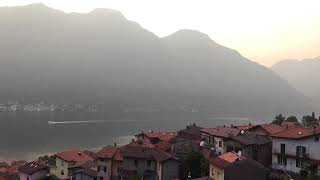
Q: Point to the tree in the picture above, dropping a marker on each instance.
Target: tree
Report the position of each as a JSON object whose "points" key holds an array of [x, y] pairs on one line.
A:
{"points": [[278, 119], [195, 164], [292, 119]]}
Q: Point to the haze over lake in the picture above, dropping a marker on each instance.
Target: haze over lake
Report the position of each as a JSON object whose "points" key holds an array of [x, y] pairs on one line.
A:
{"points": [[25, 135]]}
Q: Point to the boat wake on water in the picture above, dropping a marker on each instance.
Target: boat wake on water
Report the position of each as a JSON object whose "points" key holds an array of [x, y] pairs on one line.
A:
{"points": [[89, 121]]}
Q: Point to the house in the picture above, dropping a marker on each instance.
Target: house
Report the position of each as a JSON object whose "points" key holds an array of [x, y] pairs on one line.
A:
{"points": [[33, 171], [109, 163], [85, 174], [233, 166], [148, 163], [86, 170], [186, 141], [215, 136], [252, 146], [67, 159], [296, 148]]}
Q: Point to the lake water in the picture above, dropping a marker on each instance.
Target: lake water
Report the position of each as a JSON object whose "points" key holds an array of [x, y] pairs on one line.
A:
{"points": [[26, 135]]}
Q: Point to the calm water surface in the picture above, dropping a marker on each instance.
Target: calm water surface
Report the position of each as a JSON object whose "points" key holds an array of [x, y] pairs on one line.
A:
{"points": [[26, 135]]}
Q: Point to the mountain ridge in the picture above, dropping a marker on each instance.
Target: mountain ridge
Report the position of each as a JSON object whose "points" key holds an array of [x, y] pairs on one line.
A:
{"points": [[102, 56]]}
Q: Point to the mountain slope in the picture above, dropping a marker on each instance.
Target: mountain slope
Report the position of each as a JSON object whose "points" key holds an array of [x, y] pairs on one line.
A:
{"points": [[303, 75], [102, 55]]}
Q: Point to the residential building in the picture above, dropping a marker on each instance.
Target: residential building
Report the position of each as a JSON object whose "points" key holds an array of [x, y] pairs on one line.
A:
{"points": [[83, 170], [67, 159], [295, 149], [148, 163], [84, 174], [252, 146], [233, 166], [215, 136], [109, 161], [186, 141], [33, 171]]}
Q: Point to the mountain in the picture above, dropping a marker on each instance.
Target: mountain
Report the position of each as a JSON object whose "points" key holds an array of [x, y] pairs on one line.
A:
{"points": [[303, 75], [103, 56]]}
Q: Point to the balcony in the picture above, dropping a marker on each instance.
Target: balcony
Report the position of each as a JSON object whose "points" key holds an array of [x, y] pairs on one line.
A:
{"points": [[291, 154]]}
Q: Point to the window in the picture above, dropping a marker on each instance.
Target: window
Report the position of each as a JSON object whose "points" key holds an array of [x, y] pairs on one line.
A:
{"points": [[282, 160], [148, 163], [316, 138], [212, 173], [27, 178], [62, 172], [102, 168], [136, 163], [101, 178], [299, 162], [301, 151], [283, 149], [220, 143], [62, 164]]}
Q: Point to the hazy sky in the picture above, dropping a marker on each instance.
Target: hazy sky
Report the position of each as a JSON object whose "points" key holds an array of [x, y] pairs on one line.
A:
{"points": [[264, 31]]}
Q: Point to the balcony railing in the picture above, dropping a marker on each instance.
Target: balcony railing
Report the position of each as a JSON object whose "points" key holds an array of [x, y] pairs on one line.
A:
{"points": [[292, 154]]}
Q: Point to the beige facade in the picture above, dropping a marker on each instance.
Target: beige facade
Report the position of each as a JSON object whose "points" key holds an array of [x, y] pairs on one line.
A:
{"points": [[216, 173], [61, 168]]}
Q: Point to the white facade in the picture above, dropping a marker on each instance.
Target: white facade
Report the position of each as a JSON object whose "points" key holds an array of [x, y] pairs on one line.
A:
{"points": [[312, 151]]}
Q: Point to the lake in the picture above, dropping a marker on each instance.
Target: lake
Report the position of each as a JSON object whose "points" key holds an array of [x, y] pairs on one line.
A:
{"points": [[26, 135]]}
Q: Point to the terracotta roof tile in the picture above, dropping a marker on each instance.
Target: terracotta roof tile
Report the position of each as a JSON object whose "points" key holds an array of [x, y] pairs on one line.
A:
{"points": [[107, 152], [74, 156], [163, 136], [270, 128], [227, 158], [297, 133]]}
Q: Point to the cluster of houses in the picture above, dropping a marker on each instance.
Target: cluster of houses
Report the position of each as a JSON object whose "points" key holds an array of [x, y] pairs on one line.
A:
{"points": [[251, 152]]}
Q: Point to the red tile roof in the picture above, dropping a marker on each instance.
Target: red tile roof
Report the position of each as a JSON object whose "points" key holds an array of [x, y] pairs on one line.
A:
{"points": [[296, 133], [107, 152], [225, 159], [163, 136], [270, 128], [223, 132], [73, 156], [164, 145], [141, 144]]}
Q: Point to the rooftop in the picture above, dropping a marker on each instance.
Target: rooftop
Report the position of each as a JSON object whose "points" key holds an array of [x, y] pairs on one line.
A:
{"points": [[163, 136], [251, 138], [226, 159], [32, 167], [73, 156], [222, 131], [296, 133], [270, 128]]}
